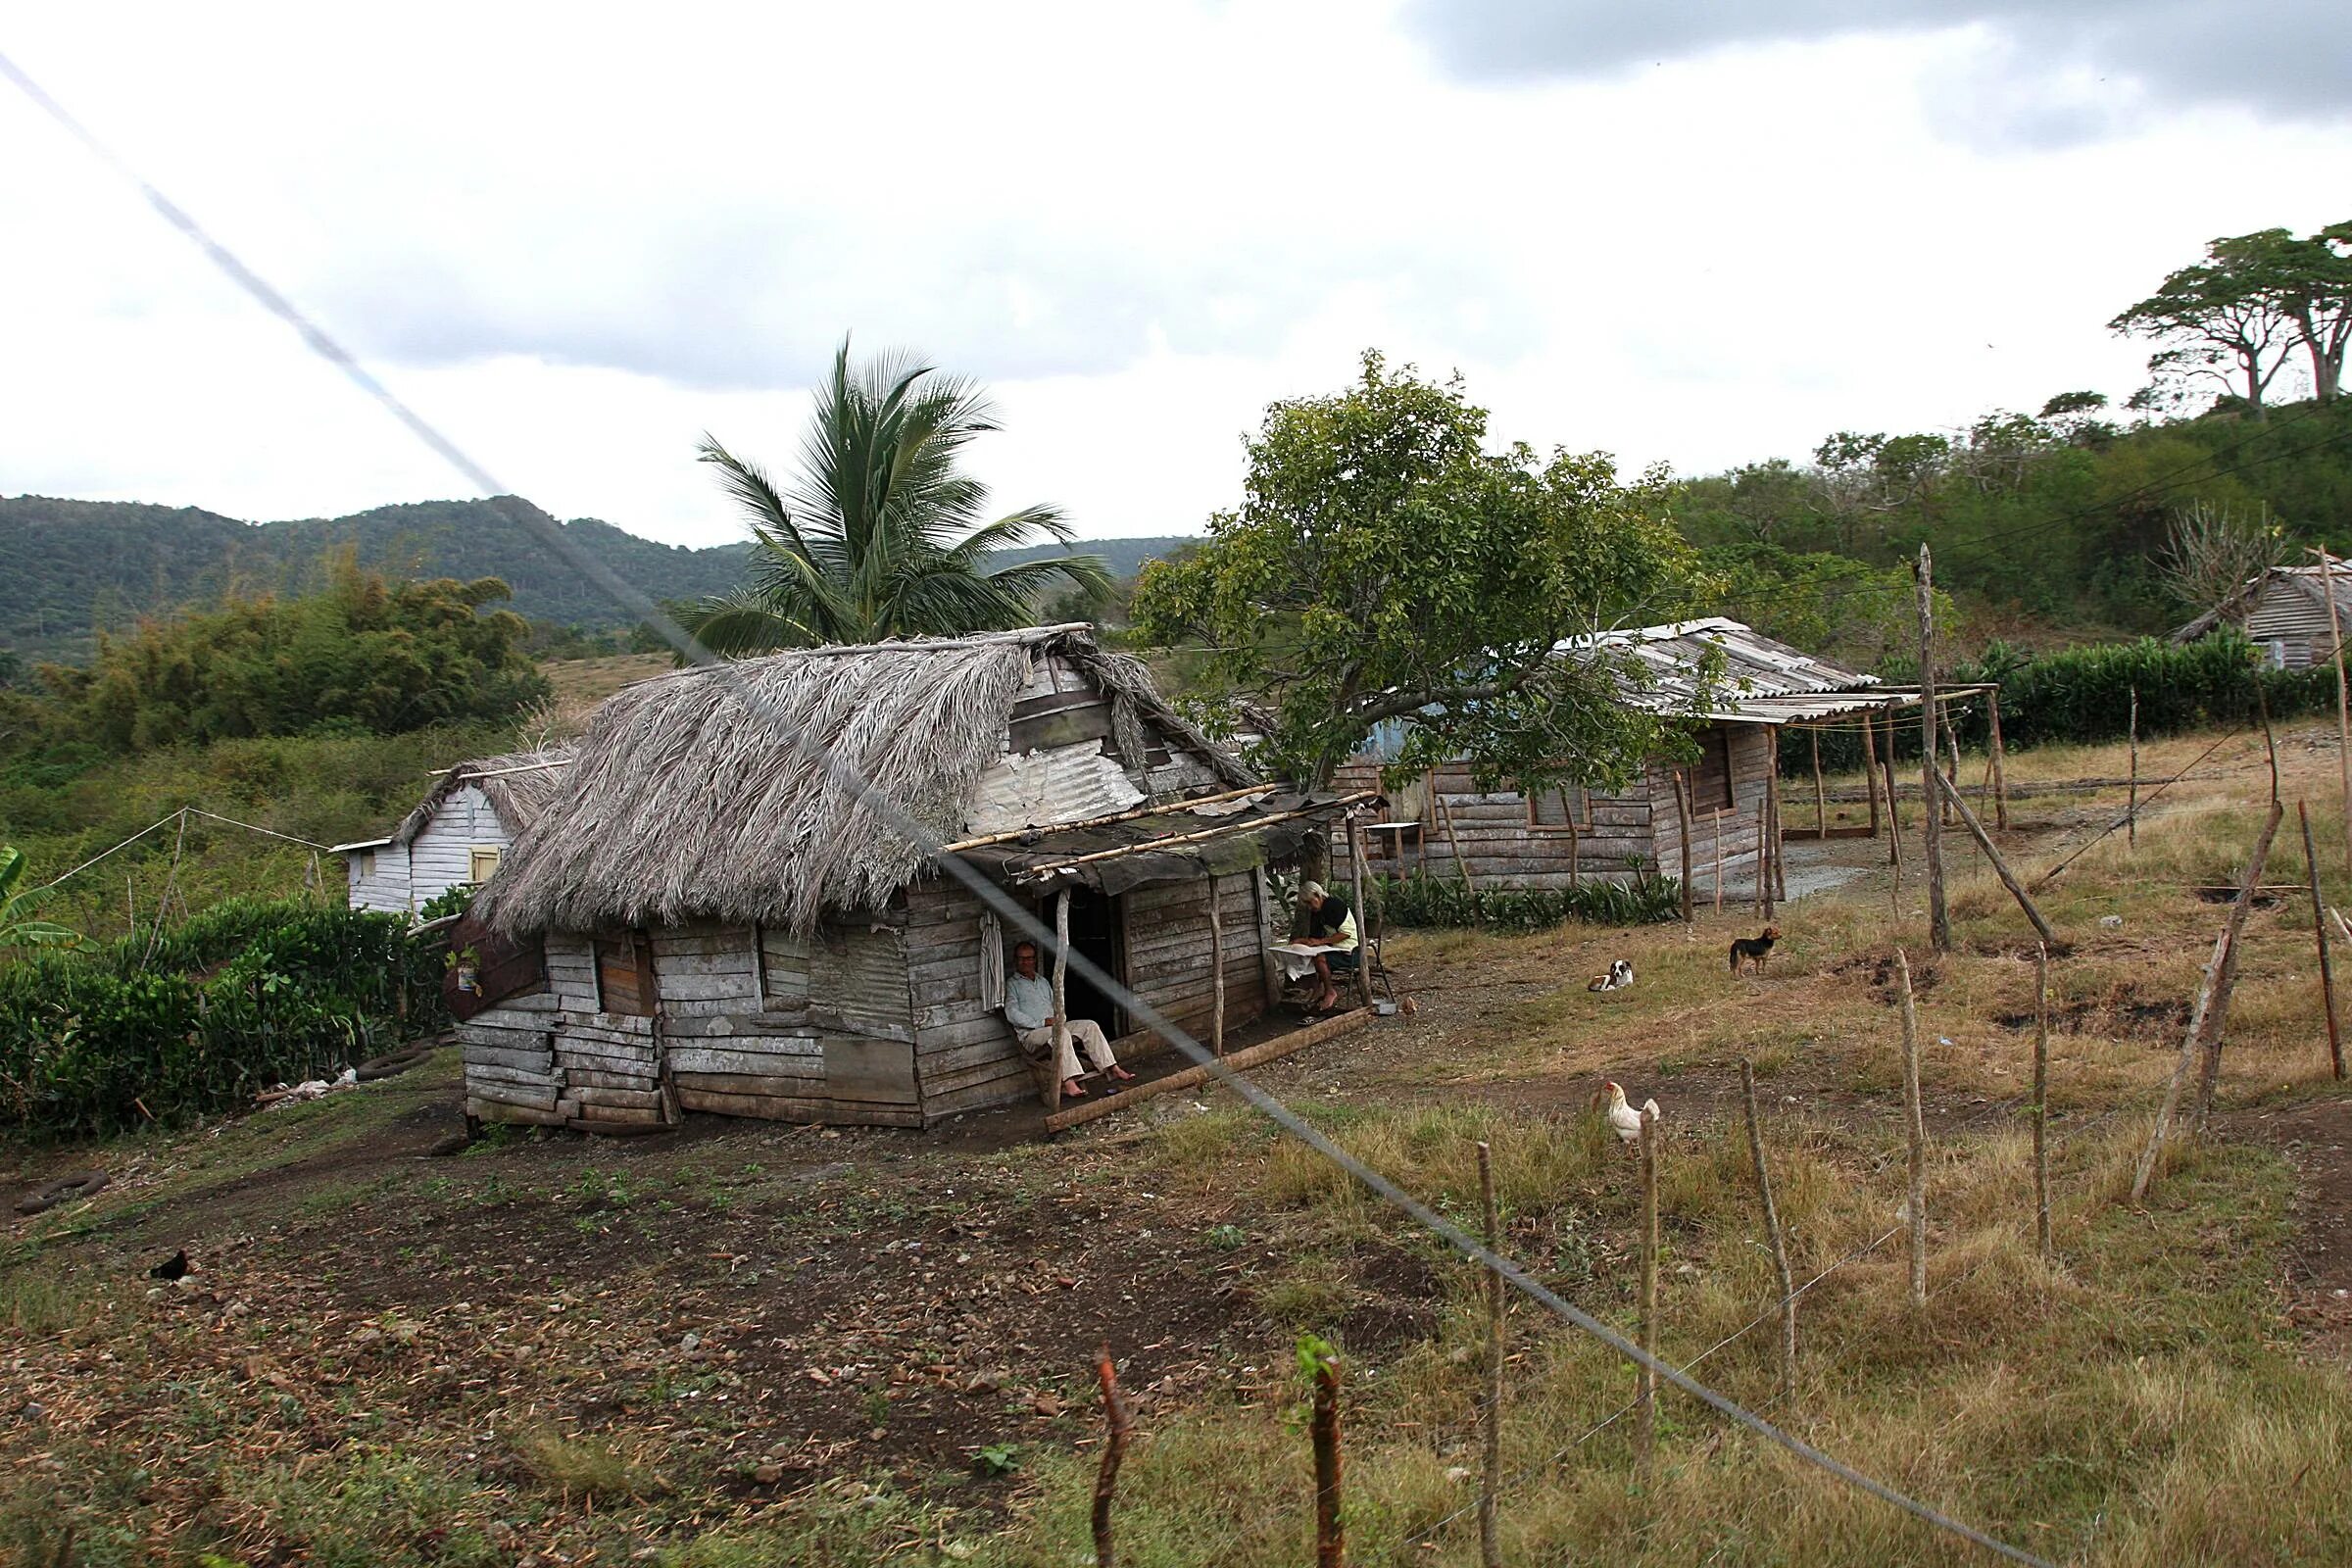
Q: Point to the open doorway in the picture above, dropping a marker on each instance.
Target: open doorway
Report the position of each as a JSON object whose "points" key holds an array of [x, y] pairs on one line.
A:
{"points": [[1097, 931]]}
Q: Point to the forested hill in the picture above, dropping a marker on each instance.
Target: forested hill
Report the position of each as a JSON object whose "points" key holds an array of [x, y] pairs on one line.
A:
{"points": [[70, 566]]}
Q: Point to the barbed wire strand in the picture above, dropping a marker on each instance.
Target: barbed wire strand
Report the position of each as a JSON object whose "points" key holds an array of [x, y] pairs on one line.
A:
{"points": [[871, 798]]}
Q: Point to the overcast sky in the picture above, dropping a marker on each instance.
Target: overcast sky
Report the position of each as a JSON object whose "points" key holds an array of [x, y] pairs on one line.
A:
{"points": [[578, 238]]}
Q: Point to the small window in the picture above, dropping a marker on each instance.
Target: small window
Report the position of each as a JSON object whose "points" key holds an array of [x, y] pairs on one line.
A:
{"points": [[367, 862], [482, 863], [1561, 808]]}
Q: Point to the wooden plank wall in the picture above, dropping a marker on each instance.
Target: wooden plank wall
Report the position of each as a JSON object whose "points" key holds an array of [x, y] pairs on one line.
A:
{"points": [[1168, 952], [964, 1057], [1504, 851], [442, 854]]}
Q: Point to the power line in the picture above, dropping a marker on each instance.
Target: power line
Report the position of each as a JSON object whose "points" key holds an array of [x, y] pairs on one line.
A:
{"points": [[871, 798]]}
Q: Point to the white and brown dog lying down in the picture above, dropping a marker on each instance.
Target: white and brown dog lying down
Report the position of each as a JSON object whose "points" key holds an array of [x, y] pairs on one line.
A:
{"points": [[1620, 976]]}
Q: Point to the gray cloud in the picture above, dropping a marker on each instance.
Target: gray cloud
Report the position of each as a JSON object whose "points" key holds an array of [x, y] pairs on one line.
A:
{"points": [[2040, 82]]}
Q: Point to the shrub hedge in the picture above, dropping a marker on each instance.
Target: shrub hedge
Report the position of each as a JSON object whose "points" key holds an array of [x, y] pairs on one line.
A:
{"points": [[250, 992], [1427, 900]]}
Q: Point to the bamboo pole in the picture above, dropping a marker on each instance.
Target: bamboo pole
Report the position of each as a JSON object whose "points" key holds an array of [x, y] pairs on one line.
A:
{"points": [[1869, 771], [1772, 1229], [2319, 932], [1645, 1380], [1159, 809], [1821, 797], [1682, 815], [2041, 1100], [2000, 867], [2344, 702], [1363, 915], [1121, 1427], [2132, 807], [1940, 922], [2000, 764], [1216, 969], [1915, 1129], [1489, 1480], [1035, 873]]}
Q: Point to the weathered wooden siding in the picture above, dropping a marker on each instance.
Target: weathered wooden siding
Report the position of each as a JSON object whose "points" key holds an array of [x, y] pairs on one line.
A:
{"points": [[965, 1057], [2290, 624], [1168, 953], [407, 876], [1616, 833], [388, 889]]}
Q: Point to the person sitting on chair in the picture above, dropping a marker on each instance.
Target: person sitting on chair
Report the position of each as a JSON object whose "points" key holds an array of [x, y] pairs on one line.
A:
{"points": [[1029, 1008], [1331, 924]]}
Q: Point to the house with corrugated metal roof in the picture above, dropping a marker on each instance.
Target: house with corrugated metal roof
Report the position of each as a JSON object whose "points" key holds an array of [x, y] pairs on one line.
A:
{"points": [[1736, 689], [2285, 613]]}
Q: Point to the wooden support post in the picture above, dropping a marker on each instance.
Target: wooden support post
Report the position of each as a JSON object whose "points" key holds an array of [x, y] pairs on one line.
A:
{"points": [[1645, 1382], [2343, 702], [1763, 870], [1940, 922], [1216, 969], [1682, 815], [1821, 795], [1331, 1541], [1062, 1016], [2217, 1018], [1120, 1423], [2319, 931], [2000, 867], [2131, 806], [1869, 771], [2041, 1100], [1998, 765], [1894, 813], [1915, 1130], [1718, 840], [1269, 967], [1489, 1478], [2200, 1046], [1772, 1231], [1363, 915], [1780, 863]]}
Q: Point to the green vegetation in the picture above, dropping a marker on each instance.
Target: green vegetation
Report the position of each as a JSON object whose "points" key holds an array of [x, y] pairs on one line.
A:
{"points": [[198, 1017], [1385, 563], [18, 927], [883, 536], [2234, 320], [1436, 902]]}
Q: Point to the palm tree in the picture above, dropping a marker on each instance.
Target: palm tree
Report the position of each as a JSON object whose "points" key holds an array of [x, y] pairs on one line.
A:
{"points": [[881, 536]]}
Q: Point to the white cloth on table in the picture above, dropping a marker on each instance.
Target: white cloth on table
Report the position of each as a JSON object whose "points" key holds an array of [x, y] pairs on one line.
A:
{"points": [[1080, 1032], [1298, 961]]}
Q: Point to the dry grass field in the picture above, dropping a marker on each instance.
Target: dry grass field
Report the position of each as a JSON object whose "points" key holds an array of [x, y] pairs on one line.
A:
{"points": [[740, 1344]]}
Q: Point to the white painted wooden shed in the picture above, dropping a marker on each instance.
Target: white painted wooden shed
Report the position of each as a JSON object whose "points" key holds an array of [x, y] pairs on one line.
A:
{"points": [[457, 834]]}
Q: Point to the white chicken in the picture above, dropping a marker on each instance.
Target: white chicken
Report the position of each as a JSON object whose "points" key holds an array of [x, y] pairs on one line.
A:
{"points": [[1622, 1116]]}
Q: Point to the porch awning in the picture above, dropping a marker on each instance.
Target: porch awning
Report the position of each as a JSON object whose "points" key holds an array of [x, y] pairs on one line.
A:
{"points": [[1178, 844]]}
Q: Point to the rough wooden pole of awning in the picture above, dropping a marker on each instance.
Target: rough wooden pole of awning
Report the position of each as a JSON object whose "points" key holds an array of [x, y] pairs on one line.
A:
{"points": [[1821, 795], [1869, 771], [1363, 915], [1062, 1017]]}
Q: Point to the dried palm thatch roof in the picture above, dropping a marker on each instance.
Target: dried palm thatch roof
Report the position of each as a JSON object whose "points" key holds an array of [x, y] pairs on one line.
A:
{"points": [[688, 797], [520, 785]]}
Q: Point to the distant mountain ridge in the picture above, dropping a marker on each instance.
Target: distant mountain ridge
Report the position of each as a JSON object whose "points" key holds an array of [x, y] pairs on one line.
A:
{"points": [[69, 568]]}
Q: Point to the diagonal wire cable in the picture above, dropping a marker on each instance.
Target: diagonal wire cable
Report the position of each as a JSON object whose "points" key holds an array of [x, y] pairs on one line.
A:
{"points": [[873, 798]]}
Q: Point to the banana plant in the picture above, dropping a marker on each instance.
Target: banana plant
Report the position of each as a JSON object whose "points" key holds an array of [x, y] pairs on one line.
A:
{"points": [[18, 927]]}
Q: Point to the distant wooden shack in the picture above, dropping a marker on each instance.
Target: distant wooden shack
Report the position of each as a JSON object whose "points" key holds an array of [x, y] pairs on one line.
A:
{"points": [[456, 836], [1555, 838], [2285, 613], [707, 919]]}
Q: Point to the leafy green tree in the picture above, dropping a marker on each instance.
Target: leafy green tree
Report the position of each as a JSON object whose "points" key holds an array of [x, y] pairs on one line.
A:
{"points": [[2235, 318], [18, 928], [1384, 566], [881, 535]]}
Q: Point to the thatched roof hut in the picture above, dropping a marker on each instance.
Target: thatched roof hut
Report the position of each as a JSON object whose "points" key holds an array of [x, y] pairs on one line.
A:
{"points": [[708, 916]]}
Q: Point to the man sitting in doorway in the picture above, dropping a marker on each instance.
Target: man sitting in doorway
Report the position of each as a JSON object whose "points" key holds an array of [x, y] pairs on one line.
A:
{"points": [[1331, 924], [1029, 1008]]}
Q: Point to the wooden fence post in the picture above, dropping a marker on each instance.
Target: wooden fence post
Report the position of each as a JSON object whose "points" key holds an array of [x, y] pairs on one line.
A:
{"points": [[2319, 931], [1321, 1363], [1998, 765], [1121, 1427], [2000, 867], [1772, 1229], [2131, 800], [1216, 970], [1952, 772], [1940, 923], [1869, 771], [1489, 1480], [1645, 1382], [1916, 1130], [2041, 1099], [2217, 1018]]}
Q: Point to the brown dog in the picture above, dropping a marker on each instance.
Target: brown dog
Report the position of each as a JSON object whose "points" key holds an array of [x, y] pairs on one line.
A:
{"points": [[1754, 949]]}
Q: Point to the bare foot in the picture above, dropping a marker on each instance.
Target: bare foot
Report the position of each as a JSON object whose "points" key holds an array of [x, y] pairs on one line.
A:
{"points": [[1121, 1074], [1071, 1091]]}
